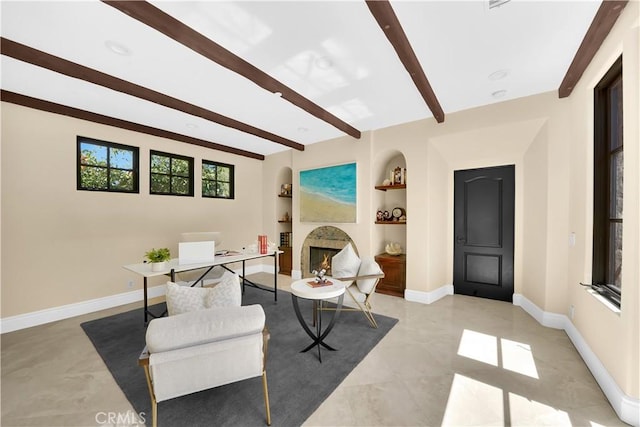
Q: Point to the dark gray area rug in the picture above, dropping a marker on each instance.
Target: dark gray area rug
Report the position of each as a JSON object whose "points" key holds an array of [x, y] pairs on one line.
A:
{"points": [[298, 382]]}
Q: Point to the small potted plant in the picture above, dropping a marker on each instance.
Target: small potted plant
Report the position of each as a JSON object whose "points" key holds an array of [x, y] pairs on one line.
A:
{"points": [[158, 258]]}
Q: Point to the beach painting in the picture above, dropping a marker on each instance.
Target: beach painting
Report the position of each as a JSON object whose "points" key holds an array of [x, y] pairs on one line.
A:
{"points": [[328, 194]]}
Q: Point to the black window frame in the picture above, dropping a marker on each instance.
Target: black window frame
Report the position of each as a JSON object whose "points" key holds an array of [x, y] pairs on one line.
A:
{"points": [[109, 145], [171, 157], [231, 179], [603, 185]]}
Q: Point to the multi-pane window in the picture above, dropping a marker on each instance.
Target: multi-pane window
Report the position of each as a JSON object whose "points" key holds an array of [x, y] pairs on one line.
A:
{"points": [[608, 180], [217, 180], [106, 166], [171, 174]]}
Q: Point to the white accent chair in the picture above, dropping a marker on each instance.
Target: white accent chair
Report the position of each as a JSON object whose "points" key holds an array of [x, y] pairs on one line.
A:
{"points": [[202, 349], [362, 277]]}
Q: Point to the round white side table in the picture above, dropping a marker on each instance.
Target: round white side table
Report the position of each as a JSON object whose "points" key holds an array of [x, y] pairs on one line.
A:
{"points": [[302, 289]]}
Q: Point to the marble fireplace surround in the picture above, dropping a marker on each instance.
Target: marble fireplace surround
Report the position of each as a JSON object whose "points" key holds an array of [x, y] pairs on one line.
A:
{"points": [[322, 237]]}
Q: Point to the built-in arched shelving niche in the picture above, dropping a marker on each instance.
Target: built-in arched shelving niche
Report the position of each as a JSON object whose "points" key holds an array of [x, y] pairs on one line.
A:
{"points": [[284, 216], [386, 198]]}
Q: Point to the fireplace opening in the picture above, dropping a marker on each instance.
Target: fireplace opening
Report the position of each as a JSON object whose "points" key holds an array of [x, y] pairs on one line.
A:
{"points": [[325, 240], [317, 256]]}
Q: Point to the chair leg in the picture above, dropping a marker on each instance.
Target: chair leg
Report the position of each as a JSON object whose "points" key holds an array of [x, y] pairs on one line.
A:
{"points": [[369, 315], [366, 309], [154, 404], [154, 413], [266, 396]]}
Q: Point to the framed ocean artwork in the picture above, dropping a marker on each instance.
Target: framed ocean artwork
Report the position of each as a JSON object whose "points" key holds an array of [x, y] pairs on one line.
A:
{"points": [[328, 194]]}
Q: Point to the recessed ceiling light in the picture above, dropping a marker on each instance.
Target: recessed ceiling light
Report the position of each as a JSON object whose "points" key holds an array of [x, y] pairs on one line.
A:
{"points": [[118, 48], [323, 63], [498, 75], [278, 94], [499, 93], [303, 129], [192, 126]]}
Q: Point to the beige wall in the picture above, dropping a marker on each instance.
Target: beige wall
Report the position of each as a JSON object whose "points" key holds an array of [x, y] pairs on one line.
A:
{"points": [[62, 246], [338, 151], [275, 168], [535, 207], [614, 337], [437, 267], [495, 135], [335, 152], [549, 140]]}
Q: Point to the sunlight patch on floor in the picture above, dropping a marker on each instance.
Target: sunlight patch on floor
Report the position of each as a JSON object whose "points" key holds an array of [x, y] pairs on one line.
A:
{"points": [[479, 346], [473, 402], [511, 355], [524, 411], [517, 357]]}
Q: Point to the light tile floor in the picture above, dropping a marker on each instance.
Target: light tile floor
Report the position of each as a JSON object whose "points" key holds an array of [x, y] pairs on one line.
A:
{"points": [[458, 361]]}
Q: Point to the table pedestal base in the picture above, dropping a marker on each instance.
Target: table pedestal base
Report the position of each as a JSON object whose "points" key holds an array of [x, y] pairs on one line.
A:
{"points": [[318, 335]]}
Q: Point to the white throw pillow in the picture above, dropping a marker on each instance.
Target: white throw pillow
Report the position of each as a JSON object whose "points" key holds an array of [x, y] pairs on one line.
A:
{"points": [[345, 263], [182, 299], [227, 293], [368, 266]]}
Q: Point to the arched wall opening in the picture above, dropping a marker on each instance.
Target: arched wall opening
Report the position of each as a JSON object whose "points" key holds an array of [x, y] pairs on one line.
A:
{"points": [[391, 229]]}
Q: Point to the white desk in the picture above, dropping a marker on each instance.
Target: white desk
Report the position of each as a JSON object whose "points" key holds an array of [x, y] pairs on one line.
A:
{"points": [[173, 267], [301, 289]]}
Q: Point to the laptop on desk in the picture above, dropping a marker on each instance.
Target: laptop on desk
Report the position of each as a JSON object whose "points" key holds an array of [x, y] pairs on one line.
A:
{"points": [[196, 252]]}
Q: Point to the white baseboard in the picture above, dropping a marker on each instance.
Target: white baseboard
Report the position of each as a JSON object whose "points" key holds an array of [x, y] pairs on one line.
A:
{"points": [[35, 318], [627, 408], [550, 320], [428, 297]]}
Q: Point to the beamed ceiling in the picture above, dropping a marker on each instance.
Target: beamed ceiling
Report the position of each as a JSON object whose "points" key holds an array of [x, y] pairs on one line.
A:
{"points": [[257, 77]]}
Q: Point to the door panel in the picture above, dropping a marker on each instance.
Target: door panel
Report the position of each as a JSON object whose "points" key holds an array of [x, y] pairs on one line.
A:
{"points": [[481, 214], [483, 232], [484, 269]]}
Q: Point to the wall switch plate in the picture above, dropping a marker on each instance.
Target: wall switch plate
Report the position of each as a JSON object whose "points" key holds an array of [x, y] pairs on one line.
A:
{"points": [[572, 311], [572, 239]]}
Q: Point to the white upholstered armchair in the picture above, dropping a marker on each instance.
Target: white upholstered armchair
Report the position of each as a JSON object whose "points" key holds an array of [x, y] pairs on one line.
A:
{"points": [[202, 349]]}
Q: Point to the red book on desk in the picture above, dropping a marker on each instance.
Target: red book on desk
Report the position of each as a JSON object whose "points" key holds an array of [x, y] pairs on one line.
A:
{"points": [[262, 243]]}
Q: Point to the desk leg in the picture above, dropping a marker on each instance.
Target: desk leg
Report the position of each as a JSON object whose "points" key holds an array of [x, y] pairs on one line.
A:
{"points": [[145, 301], [247, 282], [275, 276], [243, 276]]}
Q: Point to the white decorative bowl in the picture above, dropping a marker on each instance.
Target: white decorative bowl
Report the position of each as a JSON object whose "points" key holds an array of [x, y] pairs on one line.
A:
{"points": [[393, 249]]}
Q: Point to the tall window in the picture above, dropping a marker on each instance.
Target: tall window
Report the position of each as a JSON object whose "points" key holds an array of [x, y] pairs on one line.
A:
{"points": [[106, 166], [171, 174], [217, 180], [608, 175]]}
